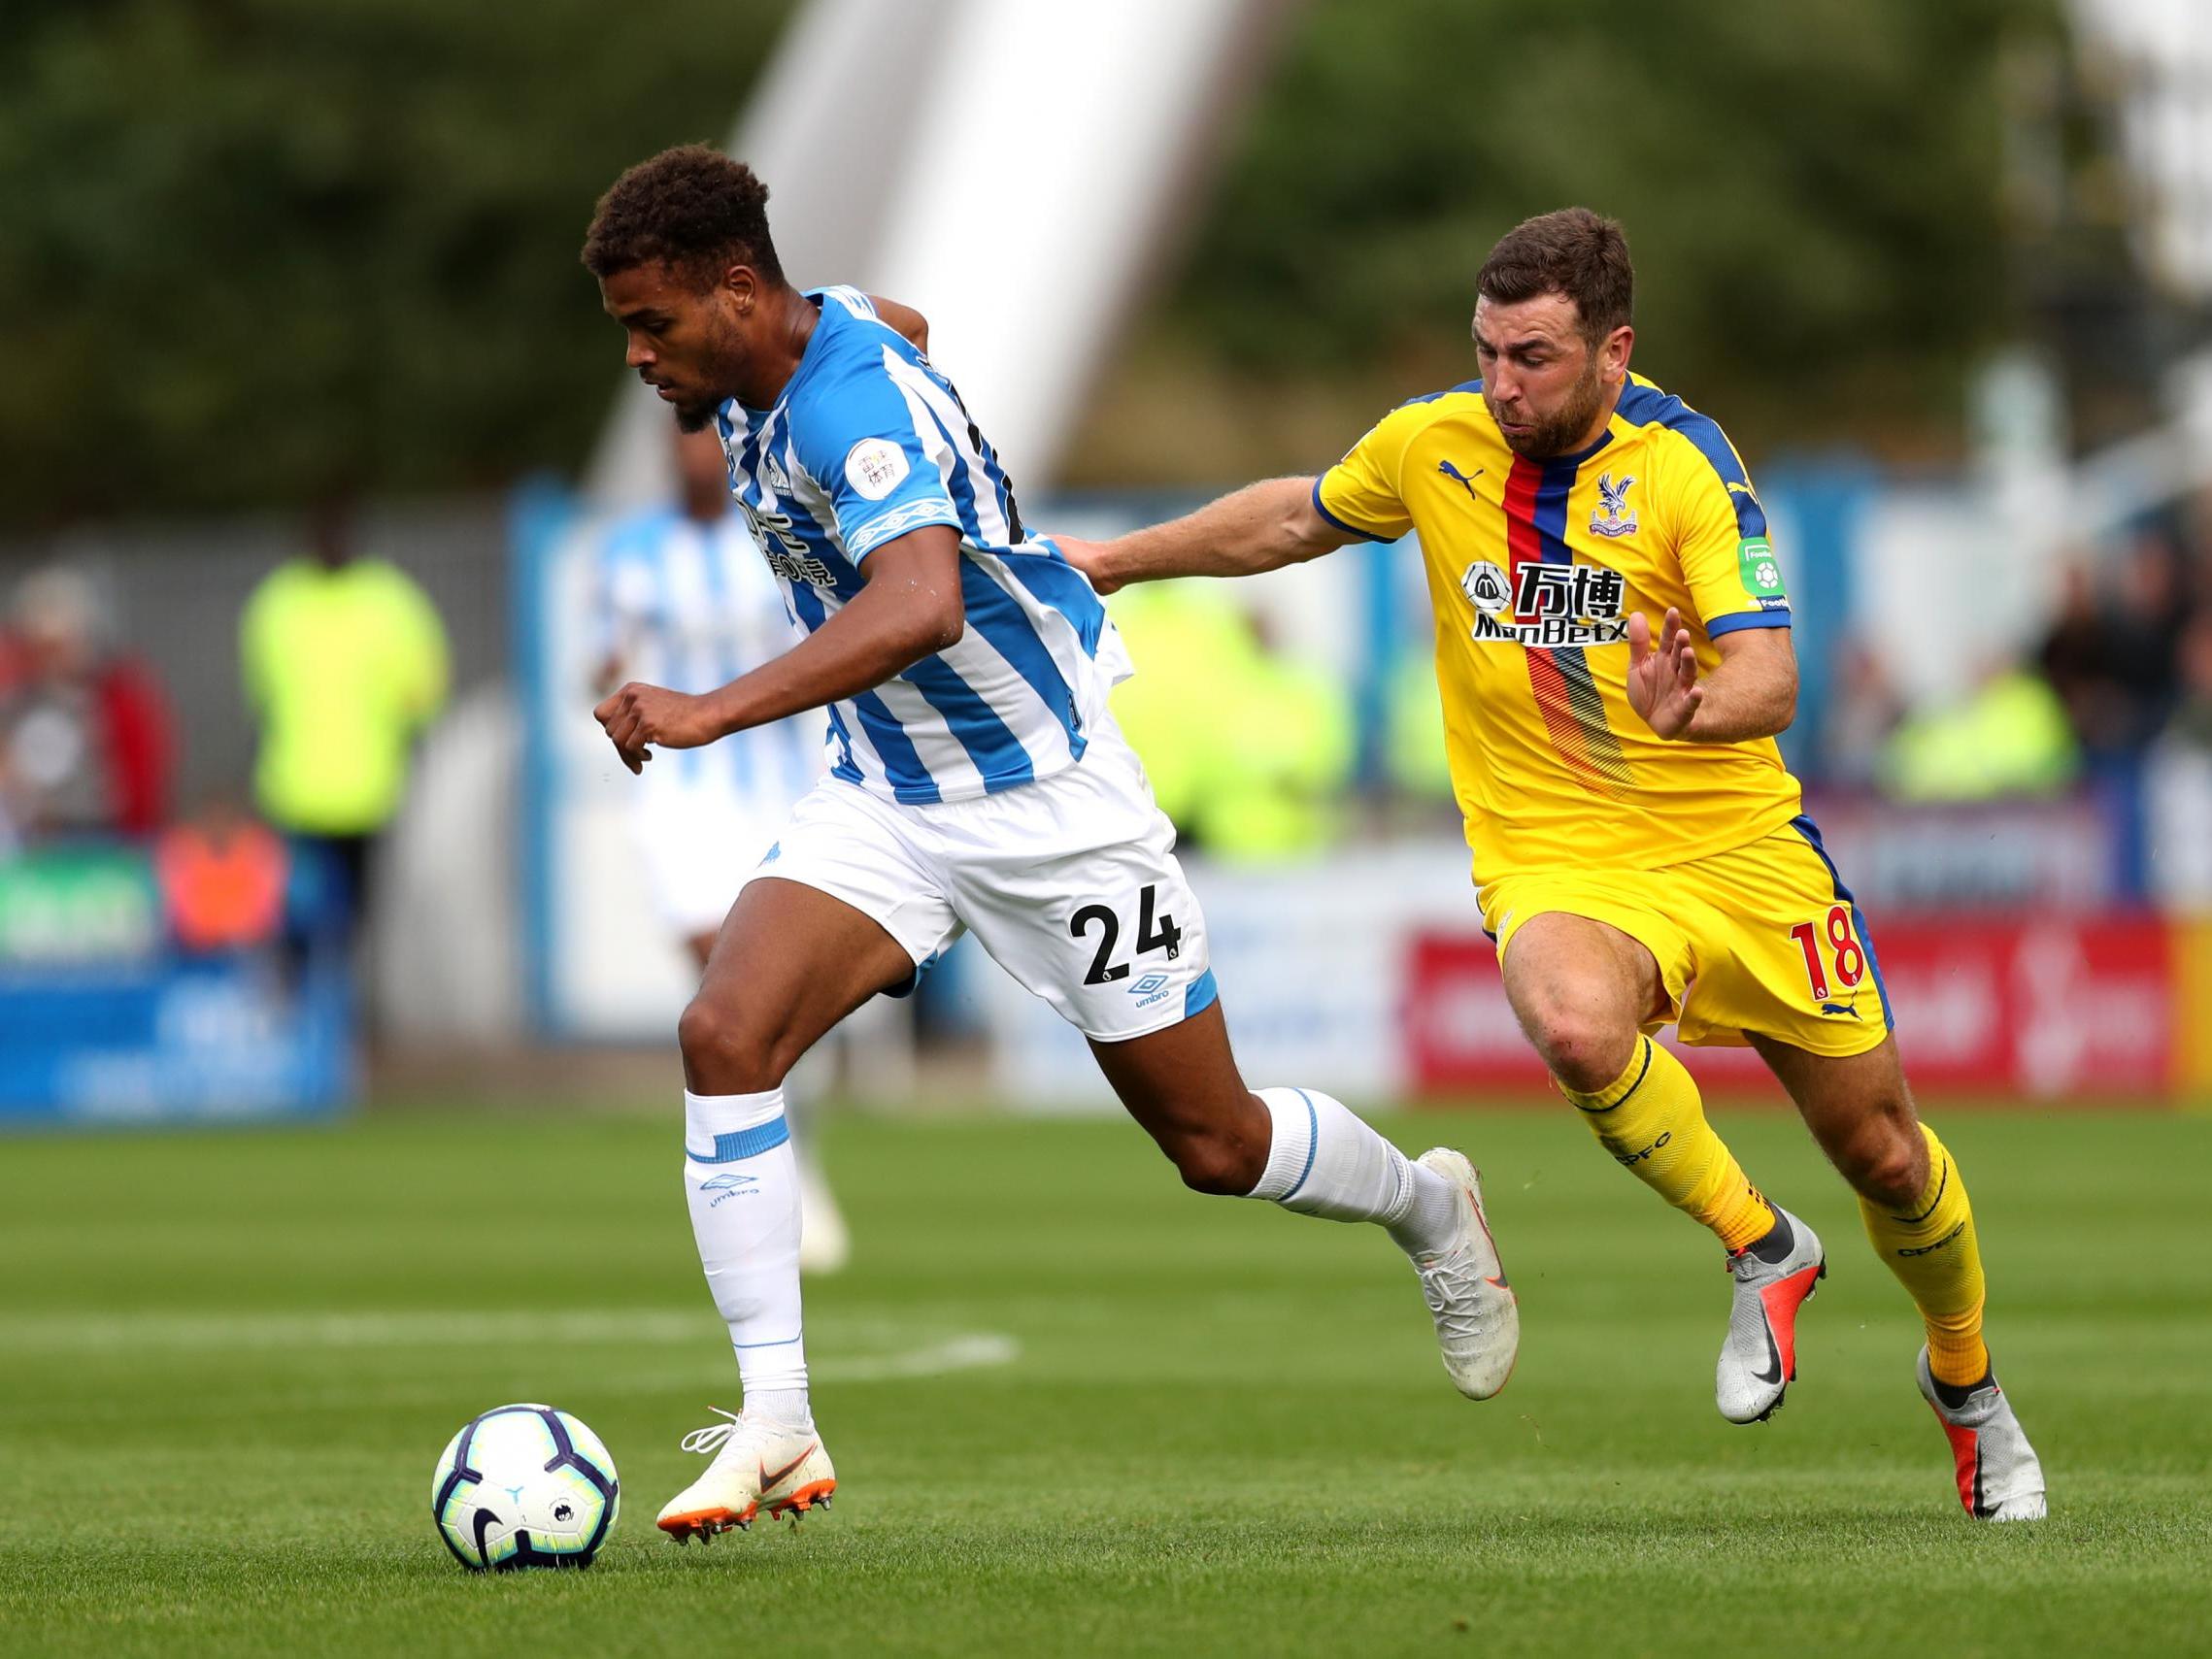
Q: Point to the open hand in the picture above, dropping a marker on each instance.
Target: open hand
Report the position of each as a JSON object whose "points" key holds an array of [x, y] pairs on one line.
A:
{"points": [[636, 716], [1663, 679]]}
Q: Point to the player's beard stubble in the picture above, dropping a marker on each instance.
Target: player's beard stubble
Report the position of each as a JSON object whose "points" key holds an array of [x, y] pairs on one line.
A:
{"points": [[724, 358], [1564, 431]]}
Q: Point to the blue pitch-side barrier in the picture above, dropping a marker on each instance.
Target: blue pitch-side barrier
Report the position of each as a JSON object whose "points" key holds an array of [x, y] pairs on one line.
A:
{"points": [[102, 1021], [160, 1041]]}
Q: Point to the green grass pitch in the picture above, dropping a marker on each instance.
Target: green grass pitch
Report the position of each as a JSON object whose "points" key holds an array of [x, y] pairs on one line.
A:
{"points": [[1076, 1409]]}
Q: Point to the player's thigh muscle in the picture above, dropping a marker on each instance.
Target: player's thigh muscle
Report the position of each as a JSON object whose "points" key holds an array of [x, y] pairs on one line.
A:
{"points": [[1581, 988], [789, 963]]}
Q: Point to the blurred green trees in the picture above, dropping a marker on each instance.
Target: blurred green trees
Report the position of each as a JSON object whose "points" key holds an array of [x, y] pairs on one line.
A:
{"points": [[252, 249], [256, 248], [1815, 193]]}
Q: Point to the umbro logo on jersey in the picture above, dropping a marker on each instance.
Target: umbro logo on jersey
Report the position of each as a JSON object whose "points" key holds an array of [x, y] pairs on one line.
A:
{"points": [[1613, 515], [1465, 481]]}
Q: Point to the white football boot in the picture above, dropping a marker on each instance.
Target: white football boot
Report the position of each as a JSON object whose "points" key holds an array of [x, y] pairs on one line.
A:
{"points": [[1758, 1359], [757, 1465], [2000, 1477], [1478, 1319]]}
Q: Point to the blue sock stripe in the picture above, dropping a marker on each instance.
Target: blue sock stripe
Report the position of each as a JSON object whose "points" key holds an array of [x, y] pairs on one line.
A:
{"points": [[741, 1143], [778, 1342], [1313, 1143]]}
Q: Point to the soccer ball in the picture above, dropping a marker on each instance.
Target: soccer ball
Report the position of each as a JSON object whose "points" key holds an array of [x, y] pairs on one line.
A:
{"points": [[524, 1486]]}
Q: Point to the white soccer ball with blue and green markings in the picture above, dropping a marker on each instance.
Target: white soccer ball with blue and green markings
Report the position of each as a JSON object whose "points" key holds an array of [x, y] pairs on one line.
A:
{"points": [[524, 1486]]}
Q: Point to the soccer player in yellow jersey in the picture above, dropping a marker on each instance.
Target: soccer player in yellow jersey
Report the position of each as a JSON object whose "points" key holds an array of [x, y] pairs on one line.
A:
{"points": [[1613, 650]]}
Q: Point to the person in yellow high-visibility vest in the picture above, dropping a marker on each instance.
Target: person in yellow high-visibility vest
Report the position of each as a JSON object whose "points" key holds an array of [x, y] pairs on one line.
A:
{"points": [[345, 663], [1249, 752]]}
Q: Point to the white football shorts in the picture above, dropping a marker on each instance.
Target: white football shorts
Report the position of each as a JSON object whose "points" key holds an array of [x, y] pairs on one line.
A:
{"points": [[1071, 884], [699, 843]]}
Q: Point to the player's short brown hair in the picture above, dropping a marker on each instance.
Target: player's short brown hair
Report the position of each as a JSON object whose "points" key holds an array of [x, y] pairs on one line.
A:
{"points": [[691, 207], [1573, 251]]}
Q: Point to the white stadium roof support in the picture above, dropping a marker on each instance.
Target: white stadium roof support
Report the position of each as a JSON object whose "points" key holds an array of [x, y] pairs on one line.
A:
{"points": [[1011, 168]]}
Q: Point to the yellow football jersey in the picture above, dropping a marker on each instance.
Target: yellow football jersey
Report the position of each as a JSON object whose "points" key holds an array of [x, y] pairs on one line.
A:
{"points": [[1535, 568]]}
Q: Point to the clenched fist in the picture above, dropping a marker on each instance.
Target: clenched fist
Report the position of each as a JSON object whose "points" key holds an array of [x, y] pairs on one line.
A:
{"points": [[637, 717]]}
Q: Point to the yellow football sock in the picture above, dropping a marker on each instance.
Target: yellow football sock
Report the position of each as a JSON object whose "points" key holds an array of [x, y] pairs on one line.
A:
{"points": [[1935, 1254], [1651, 1120]]}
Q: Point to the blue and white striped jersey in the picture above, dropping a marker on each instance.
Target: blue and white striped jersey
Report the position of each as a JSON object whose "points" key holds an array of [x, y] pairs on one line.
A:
{"points": [[869, 442], [688, 605]]}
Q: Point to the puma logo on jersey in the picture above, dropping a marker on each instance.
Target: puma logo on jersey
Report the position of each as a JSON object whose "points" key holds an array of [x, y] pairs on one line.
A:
{"points": [[1464, 480]]}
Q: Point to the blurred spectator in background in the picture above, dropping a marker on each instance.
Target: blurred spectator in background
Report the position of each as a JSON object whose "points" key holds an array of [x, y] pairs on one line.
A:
{"points": [[1413, 756], [86, 746], [222, 878], [345, 664], [2149, 611], [2191, 724], [1250, 751], [2009, 736], [2178, 781], [2079, 658], [1863, 710], [686, 601], [2112, 661]]}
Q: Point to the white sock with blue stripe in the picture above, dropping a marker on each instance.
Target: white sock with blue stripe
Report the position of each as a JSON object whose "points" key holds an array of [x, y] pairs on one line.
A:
{"points": [[1324, 1161], [743, 1186]]}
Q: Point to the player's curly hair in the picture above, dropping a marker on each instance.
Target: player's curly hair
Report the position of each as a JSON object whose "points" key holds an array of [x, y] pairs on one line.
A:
{"points": [[1574, 252], [692, 209]]}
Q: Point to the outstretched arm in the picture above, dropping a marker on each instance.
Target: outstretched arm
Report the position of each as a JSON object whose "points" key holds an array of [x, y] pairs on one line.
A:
{"points": [[1263, 526], [1752, 694], [909, 609]]}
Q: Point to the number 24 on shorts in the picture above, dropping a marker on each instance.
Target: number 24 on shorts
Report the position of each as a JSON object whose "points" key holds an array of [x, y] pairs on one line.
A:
{"points": [[1153, 933], [1845, 953]]}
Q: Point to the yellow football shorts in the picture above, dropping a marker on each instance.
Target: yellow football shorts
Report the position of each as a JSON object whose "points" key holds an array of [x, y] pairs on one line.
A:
{"points": [[1762, 939]]}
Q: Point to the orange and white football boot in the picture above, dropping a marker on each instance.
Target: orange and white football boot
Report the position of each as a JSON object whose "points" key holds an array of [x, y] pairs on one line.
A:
{"points": [[757, 1465]]}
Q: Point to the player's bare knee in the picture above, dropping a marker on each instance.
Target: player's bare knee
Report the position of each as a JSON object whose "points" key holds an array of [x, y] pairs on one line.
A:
{"points": [[1888, 1164], [726, 1052], [1215, 1163], [1584, 1051]]}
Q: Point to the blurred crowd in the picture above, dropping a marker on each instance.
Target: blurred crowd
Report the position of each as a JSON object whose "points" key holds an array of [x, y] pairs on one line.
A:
{"points": [[2119, 676], [342, 663], [2130, 652], [1258, 756], [87, 744]]}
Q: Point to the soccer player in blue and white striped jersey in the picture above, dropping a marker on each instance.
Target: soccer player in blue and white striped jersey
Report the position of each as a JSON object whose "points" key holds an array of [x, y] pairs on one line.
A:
{"points": [[976, 782], [682, 600]]}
